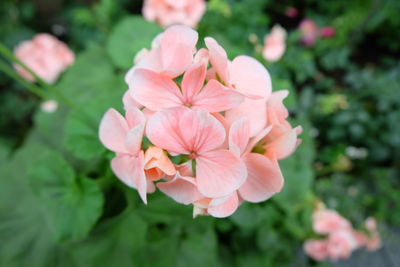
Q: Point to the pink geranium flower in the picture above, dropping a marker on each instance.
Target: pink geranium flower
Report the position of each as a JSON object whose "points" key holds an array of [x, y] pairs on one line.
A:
{"points": [[211, 117], [169, 12], [275, 44], [341, 239], [157, 91], [45, 55], [199, 135], [264, 177]]}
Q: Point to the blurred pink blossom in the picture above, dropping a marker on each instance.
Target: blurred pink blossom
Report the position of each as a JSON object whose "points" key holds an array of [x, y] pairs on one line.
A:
{"points": [[169, 12], [45, 55], [316, 249], [292, 12], [275, 44], [327, 32], [309, 32]]}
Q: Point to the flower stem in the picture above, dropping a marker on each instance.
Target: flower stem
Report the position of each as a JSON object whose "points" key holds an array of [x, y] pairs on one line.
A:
{"points": [[4, 51], [31, 87]]}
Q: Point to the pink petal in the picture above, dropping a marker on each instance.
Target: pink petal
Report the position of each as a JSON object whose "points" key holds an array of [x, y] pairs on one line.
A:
{"points": [[177, 46], [129, 102], [139, 176], [134, 139], [181, 189], [200, 131], [275, 102], [264, 178], [225, 209], [193, 81], [239, 136], [122, 166], [254, 111], [134, 117], [219, 173], [163, 130], [113, 131], [253, 141], [282, 146], [154, 91], [249, 76], [218, 58], [216, 98], [156, 158]]}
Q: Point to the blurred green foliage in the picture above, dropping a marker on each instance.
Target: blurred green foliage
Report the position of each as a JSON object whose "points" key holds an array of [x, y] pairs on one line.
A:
{"points": [[60, 204]]}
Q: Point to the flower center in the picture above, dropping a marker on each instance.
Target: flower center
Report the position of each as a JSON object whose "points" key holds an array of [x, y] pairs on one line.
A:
{"points": [[192, 155]]}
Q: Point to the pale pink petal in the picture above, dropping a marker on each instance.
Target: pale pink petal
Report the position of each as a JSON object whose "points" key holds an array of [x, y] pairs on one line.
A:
{"points": [[200, 131], [139, 176], [181, 189], [163, 130], [282, 146], [122, 166], [134, 139], [276, 103], [177, 46], [129, 102], [264, 178], [154, 91], [218, 58], [254, 111], [249, 76], [193, 81], [225, 209], [239, 135], [216, 98], [113, 131], [134, 117], [219, 173]]}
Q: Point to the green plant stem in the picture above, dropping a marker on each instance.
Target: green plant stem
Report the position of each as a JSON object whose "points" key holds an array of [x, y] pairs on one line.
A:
{"points": [[31, 87], [10, 56]]}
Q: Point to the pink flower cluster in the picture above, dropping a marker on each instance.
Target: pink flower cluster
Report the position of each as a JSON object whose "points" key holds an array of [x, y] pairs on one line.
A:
{"points": [[341, 239], [310, 32], [45, 55], [169, 12], [218, 117]]}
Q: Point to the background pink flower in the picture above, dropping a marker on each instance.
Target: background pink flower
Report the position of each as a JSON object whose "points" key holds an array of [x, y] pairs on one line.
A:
{"points": [[45, 55], [169, 12], [309, 32], [275, 44]]}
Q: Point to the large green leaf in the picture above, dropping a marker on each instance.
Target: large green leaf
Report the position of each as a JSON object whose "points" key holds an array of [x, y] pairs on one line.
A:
{"points": [[119, 241], [72, 205], [24, 231], [91, 74], [81, 131], [129, 36]]}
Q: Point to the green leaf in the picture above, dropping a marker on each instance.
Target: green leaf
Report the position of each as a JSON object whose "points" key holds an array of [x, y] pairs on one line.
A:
{"points": [[119, 241], [23, 221], [72, 205], [82, 127], [91, 74], [129, 36]]}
